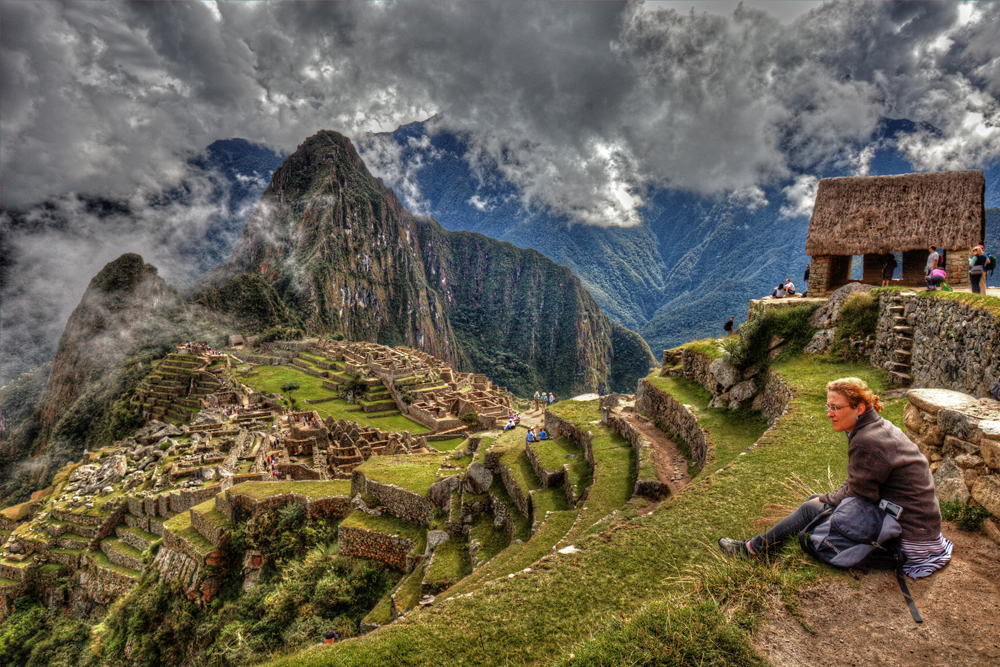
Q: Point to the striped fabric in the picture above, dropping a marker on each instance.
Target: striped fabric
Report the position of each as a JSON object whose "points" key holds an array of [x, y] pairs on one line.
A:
{"points": [[925, 558]]}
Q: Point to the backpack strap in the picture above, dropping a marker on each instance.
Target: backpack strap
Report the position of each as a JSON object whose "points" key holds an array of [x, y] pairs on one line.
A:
{"points": [[901, 578]]}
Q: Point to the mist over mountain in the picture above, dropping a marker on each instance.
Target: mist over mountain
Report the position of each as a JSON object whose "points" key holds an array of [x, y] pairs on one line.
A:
{"points": [[51, 250], [693, 260]]}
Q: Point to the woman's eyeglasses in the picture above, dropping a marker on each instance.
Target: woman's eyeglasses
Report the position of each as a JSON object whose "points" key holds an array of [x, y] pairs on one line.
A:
{"points": [[836, 408]]}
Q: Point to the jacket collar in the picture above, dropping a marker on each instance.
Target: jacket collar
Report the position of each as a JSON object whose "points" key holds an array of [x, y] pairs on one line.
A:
{"points": [[869, 417]]}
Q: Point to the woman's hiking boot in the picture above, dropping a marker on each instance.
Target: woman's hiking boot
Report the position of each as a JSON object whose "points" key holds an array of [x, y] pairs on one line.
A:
{"points": [[735, 548]]}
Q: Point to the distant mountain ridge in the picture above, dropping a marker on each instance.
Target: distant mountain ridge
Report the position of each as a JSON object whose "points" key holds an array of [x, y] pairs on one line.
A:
{"points": [[693, 262], [346, 256]]}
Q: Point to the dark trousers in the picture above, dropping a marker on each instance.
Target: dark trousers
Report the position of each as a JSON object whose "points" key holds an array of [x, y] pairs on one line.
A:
{"points": [[790, 525]]}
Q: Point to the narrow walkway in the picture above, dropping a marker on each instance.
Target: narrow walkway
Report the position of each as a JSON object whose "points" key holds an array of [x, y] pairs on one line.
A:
{"points": [[671, 466]]}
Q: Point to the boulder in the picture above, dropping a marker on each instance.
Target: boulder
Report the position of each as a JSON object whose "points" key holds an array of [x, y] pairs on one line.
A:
{"points": [[440, 492], [959, 425], [743, 391], [990, 451], [724, 373], [933, 400], [436, 538], [821, 340], [949, 482], [478, 478], [986, 492], [827, 314]]}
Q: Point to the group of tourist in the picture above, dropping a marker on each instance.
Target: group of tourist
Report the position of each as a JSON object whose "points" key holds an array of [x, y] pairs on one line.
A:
{"points": [[937, 273], [513, 419], [535, 437], [271, 463], [784, 289], [542, 399]]}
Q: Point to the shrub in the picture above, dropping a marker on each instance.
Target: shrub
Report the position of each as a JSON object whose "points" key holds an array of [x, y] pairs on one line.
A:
{"points": [[968, 517], [471, 419], [858, 320], [751, 345]]}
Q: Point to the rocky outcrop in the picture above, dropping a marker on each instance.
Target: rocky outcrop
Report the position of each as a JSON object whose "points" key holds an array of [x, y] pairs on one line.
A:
{"points": [[827, 314], [960, 436]]}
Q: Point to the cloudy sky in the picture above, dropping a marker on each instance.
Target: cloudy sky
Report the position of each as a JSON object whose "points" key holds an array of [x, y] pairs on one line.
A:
{"points": [[584, 105]]}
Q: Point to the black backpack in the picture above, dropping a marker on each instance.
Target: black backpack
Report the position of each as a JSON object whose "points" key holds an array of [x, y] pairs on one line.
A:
{"points": [[857, 534]]}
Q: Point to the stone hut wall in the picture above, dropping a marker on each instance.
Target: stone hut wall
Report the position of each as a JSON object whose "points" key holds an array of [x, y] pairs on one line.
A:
{"points": [[390, 549], [955, 346], [401, 503], [679, 418]]}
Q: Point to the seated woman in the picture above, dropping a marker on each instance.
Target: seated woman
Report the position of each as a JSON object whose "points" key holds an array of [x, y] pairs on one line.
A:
{"points": [[882, 463]]}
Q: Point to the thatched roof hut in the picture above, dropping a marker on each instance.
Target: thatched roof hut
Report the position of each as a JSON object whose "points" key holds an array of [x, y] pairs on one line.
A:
{"points": [[880, 214]]}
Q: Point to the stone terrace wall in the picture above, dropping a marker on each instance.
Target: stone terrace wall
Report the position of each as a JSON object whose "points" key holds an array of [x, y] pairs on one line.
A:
{"points": [[557, 427], [773, 399], [214, 534], [955, 346], [648, 488], [360, 543], [520, 496], [236, 506], [661, 405], [547, 478], [110, 581], [960, 436], [401, 503]]}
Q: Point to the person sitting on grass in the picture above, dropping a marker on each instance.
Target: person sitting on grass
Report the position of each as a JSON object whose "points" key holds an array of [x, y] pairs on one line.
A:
{"points": [[531, 435], [542, 435], [882, 463]]}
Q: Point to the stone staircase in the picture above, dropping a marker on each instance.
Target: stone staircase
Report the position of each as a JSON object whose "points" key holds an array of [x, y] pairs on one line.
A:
{"points": [[899, 370]]}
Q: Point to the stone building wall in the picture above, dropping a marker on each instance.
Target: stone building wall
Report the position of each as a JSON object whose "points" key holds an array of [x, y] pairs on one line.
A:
{"points": [[679, 418], [955, 346], [401, 503], [361, 543]]}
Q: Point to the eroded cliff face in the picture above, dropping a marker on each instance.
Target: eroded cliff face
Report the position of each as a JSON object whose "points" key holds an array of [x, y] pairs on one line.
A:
{"points": [[346, 256]]}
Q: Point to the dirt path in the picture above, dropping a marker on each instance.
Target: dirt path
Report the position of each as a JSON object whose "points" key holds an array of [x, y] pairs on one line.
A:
{"points": [[671, 466], [869, 623]]}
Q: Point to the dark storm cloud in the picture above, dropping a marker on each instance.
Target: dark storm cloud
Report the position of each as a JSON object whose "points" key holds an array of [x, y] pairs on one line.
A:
{"points": [[581, 104]]}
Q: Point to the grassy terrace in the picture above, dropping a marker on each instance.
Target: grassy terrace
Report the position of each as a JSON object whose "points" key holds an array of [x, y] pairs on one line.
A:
{"points": [[448, 445], [415, 472], [310, 489], [181, 526], [101, 559], [553, 454], [208, 512], [511, 447], [271, 378], [449, 564], [388, 525], [633, 562], [731, 432]]}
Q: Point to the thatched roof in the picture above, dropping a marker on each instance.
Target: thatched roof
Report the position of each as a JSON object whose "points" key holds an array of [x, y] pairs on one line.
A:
{"points": [[880, 214]]}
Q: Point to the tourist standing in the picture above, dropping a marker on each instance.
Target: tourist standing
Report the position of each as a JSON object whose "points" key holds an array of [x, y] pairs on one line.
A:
{"points": [[977, 270], [932, 260], [888, 269], [552, 399], [805, 281], [728, 327]]}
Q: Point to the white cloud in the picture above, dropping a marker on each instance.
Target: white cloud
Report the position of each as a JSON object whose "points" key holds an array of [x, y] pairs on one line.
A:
{"points": [[801, 195]]}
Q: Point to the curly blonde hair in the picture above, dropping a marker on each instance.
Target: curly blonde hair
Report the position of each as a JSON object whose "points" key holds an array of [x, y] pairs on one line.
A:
{"points": [[856, 391]]}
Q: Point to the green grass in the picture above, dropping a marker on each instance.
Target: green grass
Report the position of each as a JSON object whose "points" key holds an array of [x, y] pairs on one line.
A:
{"points": [[181, 526], [553, 454], [548, 500], [271, 378], [730, 431], [63, 550], [707, 346], [387, 524], [207, 511], [309, 489], [415, 472], [511, 447], [23, 563], [449, 564], [5, 582], [991, 304], [492, 539], [633, 562], [408, 593], [139, 532], [115, 544], [101, 559], [449, 445], [76, 538]]}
